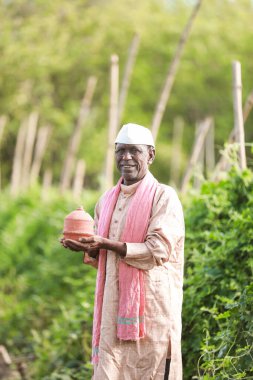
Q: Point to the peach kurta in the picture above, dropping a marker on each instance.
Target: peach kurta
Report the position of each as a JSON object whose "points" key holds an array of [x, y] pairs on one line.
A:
{"points": [[161, 259]]}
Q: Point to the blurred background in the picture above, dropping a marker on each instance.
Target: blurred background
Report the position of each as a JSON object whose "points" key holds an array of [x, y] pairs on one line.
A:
{"points": [[49, 50], [71, 73]]}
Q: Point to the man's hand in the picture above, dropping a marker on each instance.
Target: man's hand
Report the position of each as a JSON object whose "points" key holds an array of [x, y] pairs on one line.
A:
{"points": [[98, 242], [90, 245], [89, 260], [93, 244], [76, 246]]}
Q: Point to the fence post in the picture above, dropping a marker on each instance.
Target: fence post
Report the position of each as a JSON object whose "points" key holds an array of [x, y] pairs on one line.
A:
{"points": [[79, 178], [238, 114], [18, 159], [197, 148], [176, 150], [3, 121], [29, 147], [209, 150], [248, 106], [133, 50], [171, 75], [113, 121], [75, 139], [40, 148]]}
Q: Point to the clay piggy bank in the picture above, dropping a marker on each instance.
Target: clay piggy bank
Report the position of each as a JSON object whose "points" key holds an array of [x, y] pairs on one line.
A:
{"points": [[78, 224]]}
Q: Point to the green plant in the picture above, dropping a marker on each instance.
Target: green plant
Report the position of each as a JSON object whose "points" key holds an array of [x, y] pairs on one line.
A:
{"points": [[219, 262]]}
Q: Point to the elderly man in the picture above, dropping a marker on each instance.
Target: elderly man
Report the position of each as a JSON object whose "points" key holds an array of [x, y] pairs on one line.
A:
{"points": [[138, 249]]}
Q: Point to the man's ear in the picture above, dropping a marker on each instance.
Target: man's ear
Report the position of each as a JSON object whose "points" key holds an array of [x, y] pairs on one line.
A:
{"points": [[151, 151]]}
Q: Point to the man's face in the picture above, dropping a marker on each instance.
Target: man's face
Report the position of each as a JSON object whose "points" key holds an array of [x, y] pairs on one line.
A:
{"points": [[133, 160]]}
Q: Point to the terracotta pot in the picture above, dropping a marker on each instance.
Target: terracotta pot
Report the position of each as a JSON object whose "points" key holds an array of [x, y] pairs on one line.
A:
{"points": [[78, 224]]}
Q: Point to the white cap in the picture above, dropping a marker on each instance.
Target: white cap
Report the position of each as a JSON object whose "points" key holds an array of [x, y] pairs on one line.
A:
{"points": [[135, 134]]}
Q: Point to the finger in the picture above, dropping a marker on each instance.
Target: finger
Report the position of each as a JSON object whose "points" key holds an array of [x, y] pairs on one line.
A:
{"points": [[73, 243], [75, 246], [87, 240], [92, 249], [87, 259], [61, 240], [94, 254]]}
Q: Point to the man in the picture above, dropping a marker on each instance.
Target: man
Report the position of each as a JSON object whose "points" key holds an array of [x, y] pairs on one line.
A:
{"points": [[138, 248]]}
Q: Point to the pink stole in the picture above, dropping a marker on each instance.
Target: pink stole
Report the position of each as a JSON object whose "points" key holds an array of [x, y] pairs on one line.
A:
{"points": [[130, 322]]}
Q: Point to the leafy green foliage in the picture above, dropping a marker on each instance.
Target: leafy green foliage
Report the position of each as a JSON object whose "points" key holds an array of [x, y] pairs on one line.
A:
{"points": [[47, 304], [218, 296]]}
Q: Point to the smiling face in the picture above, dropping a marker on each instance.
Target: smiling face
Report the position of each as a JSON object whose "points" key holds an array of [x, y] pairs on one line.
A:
{"points": [[133, 161]]}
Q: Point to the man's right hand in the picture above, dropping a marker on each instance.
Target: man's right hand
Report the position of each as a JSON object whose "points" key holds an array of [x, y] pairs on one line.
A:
{"points": [[89, 260]]}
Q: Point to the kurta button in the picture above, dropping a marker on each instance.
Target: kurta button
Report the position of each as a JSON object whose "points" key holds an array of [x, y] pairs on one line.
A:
{"points": [[120, 209]]}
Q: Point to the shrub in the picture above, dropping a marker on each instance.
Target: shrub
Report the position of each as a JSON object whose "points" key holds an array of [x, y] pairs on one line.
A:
{"points": [[218, 269]]}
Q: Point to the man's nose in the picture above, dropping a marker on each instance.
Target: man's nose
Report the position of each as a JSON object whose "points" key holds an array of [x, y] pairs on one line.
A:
{"points": [[127, 155]]}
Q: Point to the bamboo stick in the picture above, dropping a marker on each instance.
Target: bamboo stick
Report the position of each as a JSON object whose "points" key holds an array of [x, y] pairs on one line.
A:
{"points": [[79, 178], [113, 121], [222, 164], [5, 355], [209, 150], [47, 180], [199, 164], [3, 122], [18, 159], [76, 136], [238, 114], [197, 148], [176, 150], [248, 106], [29, 147], [171, 75], [40, 148], [132, 53]]}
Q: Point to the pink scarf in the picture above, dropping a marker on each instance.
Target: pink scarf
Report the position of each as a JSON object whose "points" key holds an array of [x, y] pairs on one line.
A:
{"points": [[130, 323]]}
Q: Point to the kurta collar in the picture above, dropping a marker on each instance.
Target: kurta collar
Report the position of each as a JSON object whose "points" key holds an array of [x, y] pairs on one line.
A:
{"points": [[131, 189]]}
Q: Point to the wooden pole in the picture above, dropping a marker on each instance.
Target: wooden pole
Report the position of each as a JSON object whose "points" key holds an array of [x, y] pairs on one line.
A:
{"points": [[199, 164], [223, 164], [29, 147], [3, 122], [238, 114], [40, 148], [223, 161], [113, 121], [197, 148], [5, 364], [248, 106], [171, 75], [209, 150], [176, 150], [18, 159], [132, 53], [47, 180], [79, 178], [76, 136]]}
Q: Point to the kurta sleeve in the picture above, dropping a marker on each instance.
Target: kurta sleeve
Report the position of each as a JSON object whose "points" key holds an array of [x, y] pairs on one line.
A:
{"points": [[165, 233]]}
